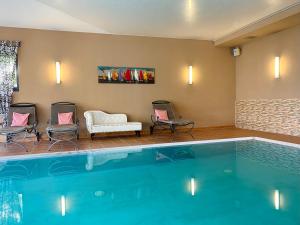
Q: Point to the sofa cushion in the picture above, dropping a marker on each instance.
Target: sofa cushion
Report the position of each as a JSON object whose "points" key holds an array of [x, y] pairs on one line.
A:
{"points": [[102, 117], [116, 127]]}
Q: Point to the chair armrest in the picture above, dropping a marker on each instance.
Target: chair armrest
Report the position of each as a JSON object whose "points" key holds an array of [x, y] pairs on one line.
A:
{"points": [[88, 117], [35, 124], [154, 118], [89, 120]]}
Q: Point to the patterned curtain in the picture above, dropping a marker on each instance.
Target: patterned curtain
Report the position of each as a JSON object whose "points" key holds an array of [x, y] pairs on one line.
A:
{"points": [[8, 71]]}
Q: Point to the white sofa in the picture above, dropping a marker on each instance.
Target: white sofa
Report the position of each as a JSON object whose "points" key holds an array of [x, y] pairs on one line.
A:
{"points": [[101, 122]]}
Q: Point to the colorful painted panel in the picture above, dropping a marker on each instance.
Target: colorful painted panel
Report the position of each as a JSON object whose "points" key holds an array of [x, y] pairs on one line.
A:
{"points": [[127, 75]]}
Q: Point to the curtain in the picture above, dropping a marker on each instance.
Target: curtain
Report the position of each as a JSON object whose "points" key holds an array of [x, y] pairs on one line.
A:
{"points": [[8, 73]]}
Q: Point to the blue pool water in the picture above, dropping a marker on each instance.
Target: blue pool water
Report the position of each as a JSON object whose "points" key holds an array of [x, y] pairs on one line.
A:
{"points": [[234, 183]]}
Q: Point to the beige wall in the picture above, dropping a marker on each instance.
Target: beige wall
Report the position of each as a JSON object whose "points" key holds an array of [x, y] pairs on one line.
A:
{"points": [[209, 101], [255, 68]]}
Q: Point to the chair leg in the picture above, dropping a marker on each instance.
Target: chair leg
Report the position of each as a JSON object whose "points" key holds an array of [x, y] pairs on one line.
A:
{"points": [[151, 129], [172, 127], [138, 133], [192, 135], [54, 140], [38, 136], [49, 135], [92, 136], [10, 141]]}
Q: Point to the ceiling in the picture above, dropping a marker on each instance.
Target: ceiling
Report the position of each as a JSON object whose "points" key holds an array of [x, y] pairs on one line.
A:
{"points": [[191, 19]]}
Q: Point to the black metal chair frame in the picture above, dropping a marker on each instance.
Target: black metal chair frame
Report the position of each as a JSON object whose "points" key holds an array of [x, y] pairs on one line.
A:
{"points": [[12, 133], [12, 136], [173, 121], [62, 133], [32, 120]]}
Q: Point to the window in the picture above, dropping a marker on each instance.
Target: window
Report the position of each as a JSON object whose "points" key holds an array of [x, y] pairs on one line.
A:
{"points": [[9, 64], [16, 76]]}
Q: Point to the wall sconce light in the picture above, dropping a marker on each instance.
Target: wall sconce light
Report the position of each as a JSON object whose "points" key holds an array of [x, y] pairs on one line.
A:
{"points": [[58, 71], [190, 78], [277, 67]]}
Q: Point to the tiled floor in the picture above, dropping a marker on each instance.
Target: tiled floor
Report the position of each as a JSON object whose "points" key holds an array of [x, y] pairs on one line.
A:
{"points": [[117, 141]]}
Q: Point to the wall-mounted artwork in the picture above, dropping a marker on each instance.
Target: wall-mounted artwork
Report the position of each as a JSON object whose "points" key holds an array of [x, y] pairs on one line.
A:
{"points": [[127, 75]]}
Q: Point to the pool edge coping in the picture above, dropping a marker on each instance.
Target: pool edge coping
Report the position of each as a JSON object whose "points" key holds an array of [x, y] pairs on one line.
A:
{"points": [[138, 148]]}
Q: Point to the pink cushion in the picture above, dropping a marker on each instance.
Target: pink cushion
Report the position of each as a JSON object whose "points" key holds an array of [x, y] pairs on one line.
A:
{"points": [[65, 118], [19, 119], [161, 114]]}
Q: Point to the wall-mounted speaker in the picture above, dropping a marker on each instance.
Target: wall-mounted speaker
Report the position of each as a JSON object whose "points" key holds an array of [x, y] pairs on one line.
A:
{"points": [[236, 51]]}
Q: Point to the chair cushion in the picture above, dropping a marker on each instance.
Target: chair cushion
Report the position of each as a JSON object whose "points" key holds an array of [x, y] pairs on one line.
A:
{"points": [[19, 119], [12, 130], [178, 122], [65, 118], [62, 128], [161, 114]]}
